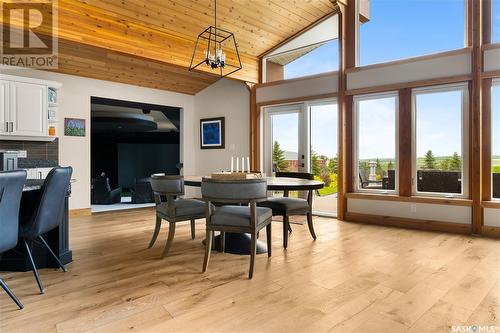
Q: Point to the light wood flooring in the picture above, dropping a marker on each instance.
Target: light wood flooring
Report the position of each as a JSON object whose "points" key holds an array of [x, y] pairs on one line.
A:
{"points": [[354, 278]]}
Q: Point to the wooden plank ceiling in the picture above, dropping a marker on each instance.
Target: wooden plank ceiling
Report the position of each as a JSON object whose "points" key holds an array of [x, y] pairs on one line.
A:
{"points": [[150, 42]]}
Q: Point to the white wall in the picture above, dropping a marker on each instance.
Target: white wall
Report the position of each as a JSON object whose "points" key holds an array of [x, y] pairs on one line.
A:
{"points": [[492, 60], [492, 217], [229, 99], [421, 211], [74, 101], [303, 87], [424, 69]]}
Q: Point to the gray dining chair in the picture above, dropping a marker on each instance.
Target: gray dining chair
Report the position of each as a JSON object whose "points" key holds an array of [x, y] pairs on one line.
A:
{"points": [[170, 207], [286, 206], [231, 217], [11, 190]]}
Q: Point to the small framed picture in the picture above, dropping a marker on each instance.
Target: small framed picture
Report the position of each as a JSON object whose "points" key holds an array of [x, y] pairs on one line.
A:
{"points": [[212, 133], [52, 95], [74, 127]]}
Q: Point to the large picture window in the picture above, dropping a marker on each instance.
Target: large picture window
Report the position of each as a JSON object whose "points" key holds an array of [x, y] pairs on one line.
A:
{"points": [[440, 140], [375, 124], [495, 147], [410, 28]]}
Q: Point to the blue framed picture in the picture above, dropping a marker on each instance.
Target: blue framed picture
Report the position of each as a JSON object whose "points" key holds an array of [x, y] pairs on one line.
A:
{"points": [[212, 133]]}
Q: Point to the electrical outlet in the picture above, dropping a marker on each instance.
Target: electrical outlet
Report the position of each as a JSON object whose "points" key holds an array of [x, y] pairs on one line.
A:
{"points": [[413, 208], [22, 154]]}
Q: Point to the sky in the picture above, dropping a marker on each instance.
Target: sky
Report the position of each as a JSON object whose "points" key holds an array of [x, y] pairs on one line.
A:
{"points": [[410, 29]]}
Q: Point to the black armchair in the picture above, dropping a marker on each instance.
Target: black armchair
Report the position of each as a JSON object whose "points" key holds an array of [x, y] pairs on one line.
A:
{"points": [[102, 193], [11, 188], [45, 215], [142, 191]]}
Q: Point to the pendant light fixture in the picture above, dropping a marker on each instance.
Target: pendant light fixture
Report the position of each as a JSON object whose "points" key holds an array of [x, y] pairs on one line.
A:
{"points": [[216, 49]]}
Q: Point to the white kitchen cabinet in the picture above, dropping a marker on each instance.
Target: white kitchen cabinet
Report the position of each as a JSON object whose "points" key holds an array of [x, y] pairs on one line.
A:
{"points": [[24, 107], [4, 107], [28, 109]]}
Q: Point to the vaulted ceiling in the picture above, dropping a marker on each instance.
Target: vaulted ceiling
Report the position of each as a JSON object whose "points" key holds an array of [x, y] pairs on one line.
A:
{"points": [[150, 42]]}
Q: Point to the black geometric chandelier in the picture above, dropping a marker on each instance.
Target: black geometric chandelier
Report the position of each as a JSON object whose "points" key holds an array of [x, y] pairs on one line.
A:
{"points": [[216, 48]]}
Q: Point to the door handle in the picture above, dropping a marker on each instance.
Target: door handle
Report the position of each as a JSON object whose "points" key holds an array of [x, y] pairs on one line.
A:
{"points": [[11, 126], [7, 127]]}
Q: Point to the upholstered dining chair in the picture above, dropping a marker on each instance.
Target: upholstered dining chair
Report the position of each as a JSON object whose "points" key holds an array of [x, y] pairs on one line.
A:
{"points": [[11, 190], [286, 206], [244, 218], [174, 209], [44, 215]]}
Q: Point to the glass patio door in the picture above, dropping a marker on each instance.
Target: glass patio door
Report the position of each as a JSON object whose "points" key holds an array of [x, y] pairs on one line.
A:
{"points": [[284, 145], [304, 138]]}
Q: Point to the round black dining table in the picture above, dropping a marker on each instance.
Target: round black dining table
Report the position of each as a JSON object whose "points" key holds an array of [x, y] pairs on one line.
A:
{"points": [[240, 243]]}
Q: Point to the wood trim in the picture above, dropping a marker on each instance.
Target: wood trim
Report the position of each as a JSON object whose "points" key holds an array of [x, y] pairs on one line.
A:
{"points": [[80, 212], [405, 142], [491, 204], [475, 111], [410, 60], [297, 99], [490, 231], [486, 21], [413, 84], [491, 75], [254, 130], [347, 52], [409, 223], [297, 79], [298, 33], [399, 198], [486, 141]]}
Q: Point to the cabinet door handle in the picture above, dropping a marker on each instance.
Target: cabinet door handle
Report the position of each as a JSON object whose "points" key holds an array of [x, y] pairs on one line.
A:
{"points": [[11, 126], [7, 127]]}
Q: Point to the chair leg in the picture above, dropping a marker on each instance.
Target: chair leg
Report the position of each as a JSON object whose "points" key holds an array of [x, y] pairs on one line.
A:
{"points": [[156, 232], [310, 225], [253, 250], [35, 271], [208, 249], [193, 229], [53, 254], [269, 239], [222, 241], [11, 294], [171, 233], [285, 230], [289, 228]]}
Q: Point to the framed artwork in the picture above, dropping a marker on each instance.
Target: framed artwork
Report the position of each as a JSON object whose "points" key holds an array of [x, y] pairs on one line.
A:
{"points": [[212, 133], [74, 127]]}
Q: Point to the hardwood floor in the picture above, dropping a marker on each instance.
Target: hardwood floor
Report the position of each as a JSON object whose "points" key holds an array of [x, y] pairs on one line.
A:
{"points": [[354, 278]]}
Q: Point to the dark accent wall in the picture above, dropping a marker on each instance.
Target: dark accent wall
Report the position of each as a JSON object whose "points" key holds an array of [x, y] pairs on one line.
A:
{"points": [[40, 154]]}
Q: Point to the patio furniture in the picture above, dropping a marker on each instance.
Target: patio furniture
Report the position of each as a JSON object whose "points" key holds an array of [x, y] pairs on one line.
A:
{"points": [[247, 218], [366, 183], [174, 209], [439, 181], [496, 185], [389, 181]]}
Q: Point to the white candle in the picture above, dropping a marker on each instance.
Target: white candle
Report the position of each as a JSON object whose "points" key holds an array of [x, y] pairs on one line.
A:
{"points": [[248, 163], [232, 164], [237, 164], [242, 164]]}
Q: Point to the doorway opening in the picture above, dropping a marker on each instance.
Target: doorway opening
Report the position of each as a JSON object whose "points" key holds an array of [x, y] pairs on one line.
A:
{"points": [[130, 141]]}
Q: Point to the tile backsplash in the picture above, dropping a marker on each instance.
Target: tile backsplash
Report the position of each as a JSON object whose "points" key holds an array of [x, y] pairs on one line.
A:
{"points": [[39, 154]]}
